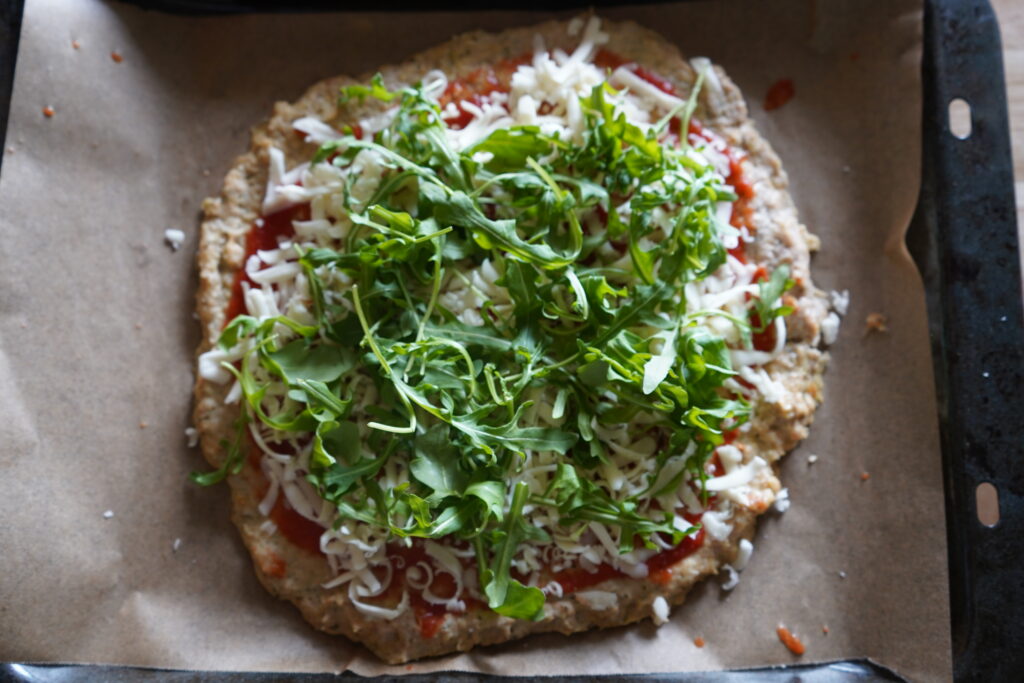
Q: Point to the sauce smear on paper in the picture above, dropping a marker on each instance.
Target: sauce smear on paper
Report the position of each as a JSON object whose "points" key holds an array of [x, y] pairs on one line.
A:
{"points": [[780, 92]]}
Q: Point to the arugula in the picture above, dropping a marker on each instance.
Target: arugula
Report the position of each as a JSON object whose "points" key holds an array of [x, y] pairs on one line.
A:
{"points": [[604, 341], [766, 306], [506, 595]]}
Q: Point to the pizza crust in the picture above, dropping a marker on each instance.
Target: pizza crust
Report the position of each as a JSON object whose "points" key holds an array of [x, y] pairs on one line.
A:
{"points": [[776, 427]]}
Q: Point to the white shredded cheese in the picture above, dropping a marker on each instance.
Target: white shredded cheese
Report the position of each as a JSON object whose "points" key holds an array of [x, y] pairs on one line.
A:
{"points": [[316, 130], [840, 301], [597, 599], [623, 77], [544, 92], [715, 524], [830, 329], [782, 501], [733, 578], [174, 238], [660, 610], [743, 553], [740, 476], [378, 612]]}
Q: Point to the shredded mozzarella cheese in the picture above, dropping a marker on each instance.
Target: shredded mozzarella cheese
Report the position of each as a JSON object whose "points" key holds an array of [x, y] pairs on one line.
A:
{"points": [[551, 83]]}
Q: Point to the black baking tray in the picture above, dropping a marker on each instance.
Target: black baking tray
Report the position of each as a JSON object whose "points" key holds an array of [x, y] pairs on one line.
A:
{"points": [[964, 239]]}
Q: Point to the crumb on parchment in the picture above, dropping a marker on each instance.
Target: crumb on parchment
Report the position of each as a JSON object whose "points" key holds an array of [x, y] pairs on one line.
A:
{"points": [[790, 641], [174, 238], [875, 322]]}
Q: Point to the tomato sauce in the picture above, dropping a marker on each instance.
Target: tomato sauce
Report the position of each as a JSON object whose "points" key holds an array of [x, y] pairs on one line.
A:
{"points": [[429, 616], [577, 578], [275, 227], [476, 85], [765, 339], [658, 566], [606, 59], [297, 529]]}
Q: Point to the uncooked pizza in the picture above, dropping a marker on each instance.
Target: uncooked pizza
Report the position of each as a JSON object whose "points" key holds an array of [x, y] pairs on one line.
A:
{"points": [[506, 339]]}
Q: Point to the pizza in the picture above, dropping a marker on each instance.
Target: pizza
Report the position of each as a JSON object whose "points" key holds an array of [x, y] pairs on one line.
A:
{"points": [[506, 339]]}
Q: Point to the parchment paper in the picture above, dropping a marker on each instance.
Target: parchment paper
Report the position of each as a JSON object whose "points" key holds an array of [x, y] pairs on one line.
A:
{"points": [[97, 341]]}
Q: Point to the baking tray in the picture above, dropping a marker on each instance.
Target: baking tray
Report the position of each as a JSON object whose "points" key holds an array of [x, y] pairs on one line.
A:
{"points": [[964, 239]]}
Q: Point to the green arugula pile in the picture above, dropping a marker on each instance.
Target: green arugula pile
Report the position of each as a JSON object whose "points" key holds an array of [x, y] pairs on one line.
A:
{"points": [[605, 343]]}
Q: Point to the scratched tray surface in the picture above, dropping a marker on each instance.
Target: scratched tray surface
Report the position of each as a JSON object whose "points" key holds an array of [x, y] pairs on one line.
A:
{"points": [[835, 672], [964, 239], [973, 287]]}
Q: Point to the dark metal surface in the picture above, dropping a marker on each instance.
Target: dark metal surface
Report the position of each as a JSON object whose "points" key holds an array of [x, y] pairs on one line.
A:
{"points": [[279, 6], [964, 238], [858, 671], [10, 30]]}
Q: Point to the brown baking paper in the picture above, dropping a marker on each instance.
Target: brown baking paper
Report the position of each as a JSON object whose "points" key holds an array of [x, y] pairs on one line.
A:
{"points": [[97, 341]]}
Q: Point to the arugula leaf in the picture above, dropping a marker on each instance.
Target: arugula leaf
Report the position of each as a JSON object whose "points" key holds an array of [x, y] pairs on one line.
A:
{"points": [[460, 210], [522, 602], [299, 360], [467, 336], [233, 460], [770, 293], [436, 464], [333, 476], [642, 310], [492, 494], [511, 147], [385, 362], [506, 595], [320, 395], [376, 90], [509, 435], [579, 499]]}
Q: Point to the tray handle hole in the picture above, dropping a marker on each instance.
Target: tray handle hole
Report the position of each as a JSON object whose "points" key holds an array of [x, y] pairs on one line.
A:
{"points": [[960, 118], [986, 497]]}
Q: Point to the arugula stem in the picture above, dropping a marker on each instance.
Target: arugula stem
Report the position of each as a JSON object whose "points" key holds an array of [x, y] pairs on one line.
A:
{"points": [[367, 335], [691, 106]]}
